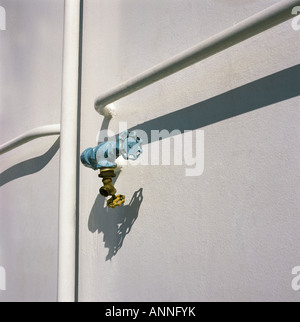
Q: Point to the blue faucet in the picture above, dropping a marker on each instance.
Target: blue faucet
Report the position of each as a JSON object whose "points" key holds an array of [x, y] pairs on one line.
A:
{"points": [[103, 157]]}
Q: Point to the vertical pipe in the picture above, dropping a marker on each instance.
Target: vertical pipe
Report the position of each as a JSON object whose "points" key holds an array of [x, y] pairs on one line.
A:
{"points": [[68, 154]]}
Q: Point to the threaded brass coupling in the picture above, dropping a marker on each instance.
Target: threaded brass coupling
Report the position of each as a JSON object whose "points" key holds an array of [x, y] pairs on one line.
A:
{"points": [[108, 188]]}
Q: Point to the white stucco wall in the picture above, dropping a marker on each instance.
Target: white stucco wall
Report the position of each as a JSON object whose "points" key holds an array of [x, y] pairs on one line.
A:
{"points": [[30, 96], [231, 233]]}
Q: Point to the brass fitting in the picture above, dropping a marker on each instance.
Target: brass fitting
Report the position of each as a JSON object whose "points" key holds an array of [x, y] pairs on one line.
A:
{"points": [[108, 188]]}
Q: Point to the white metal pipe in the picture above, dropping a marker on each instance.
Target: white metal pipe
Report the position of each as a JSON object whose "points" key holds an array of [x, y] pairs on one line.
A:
{"points": [[30, 135], [68, 153], [248, 28]]}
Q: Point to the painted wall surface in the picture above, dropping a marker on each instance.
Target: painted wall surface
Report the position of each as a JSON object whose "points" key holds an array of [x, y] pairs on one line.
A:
{"points": [[30, 96], [231, 233]]}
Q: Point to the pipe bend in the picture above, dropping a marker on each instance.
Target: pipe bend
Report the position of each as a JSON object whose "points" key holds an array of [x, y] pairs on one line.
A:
{"points": [[33, 134], [262, 21]]}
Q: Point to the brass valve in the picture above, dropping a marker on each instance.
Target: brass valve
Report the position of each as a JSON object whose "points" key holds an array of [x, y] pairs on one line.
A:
{"points": [[108, 188], [115, 201]]}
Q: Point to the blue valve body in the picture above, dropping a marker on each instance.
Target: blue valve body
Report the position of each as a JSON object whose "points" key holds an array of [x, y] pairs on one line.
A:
{"points": [[105, 154], [102, 156]]}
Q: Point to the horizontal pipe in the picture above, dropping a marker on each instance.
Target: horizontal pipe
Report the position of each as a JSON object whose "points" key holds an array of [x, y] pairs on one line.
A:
{"points": [[248, 28], [30, 135]]}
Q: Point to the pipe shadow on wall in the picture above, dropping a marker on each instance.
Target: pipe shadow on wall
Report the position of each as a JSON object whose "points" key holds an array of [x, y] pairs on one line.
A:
{"points": [[263, 92], [30, 166], [115, 224]]}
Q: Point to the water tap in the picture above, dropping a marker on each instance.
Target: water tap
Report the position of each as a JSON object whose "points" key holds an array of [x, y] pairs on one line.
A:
{"points": [[103, 157]]}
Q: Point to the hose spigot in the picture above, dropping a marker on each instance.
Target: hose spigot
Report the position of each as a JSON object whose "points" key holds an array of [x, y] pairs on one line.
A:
{"points": [[104, 156]]}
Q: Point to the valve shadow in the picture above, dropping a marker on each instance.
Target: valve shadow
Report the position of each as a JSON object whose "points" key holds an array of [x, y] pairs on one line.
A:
{"points": [[30, 166], [115, 224]]}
